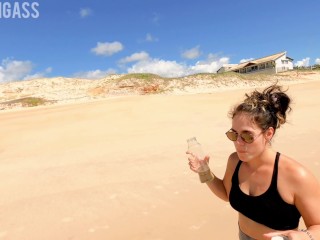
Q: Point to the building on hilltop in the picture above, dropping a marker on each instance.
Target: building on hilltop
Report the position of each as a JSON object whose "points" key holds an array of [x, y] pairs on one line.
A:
{"points": [[226, 67], [275, 63]]}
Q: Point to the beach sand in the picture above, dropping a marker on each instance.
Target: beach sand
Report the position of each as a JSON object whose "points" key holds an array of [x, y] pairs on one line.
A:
{"points": [[117, 169]]}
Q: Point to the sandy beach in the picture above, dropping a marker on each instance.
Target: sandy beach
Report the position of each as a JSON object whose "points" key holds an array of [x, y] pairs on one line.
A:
{"points": [[116, 168]]}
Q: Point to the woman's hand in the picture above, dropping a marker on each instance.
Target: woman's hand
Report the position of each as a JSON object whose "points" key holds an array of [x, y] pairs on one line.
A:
{"points": [[286, 235], [195, 163]]}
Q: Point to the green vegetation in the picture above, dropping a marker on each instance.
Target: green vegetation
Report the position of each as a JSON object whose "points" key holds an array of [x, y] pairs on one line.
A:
{"points": [[203, 74], [27, 102], [232, 75], [32, 101], [304, 69], [240, 76], [142, 76]]}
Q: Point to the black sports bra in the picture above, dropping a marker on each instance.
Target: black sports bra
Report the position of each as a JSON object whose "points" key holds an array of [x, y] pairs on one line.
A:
{"points": [[268, 208]]}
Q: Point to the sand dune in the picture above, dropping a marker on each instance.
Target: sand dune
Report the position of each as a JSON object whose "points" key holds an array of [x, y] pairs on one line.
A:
{"points": [[116, 168], [61, 90]]}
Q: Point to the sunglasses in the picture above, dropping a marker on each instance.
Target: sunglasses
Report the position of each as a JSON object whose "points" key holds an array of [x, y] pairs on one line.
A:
{"points": [[247, 137]]}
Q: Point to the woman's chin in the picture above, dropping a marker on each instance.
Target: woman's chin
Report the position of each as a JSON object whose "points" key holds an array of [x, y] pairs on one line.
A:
{"points": [[245, 156], [242, 155], [242, 152]]}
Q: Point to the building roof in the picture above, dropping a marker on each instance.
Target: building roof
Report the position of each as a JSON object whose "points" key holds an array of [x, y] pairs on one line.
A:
{"points": [[227, 66], [259, 60]]}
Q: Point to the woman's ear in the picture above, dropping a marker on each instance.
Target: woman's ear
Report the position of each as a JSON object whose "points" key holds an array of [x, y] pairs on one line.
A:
{"points": [[269, 133]]}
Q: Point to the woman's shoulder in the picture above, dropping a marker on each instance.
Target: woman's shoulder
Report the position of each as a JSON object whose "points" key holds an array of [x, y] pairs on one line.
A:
{"points": [[233, 161], [295, 181], [303, 186], [290, 164], [294, 171], [233, 157]]}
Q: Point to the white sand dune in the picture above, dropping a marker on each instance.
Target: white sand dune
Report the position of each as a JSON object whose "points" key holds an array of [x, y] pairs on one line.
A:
{"points": [[61, 90], [116, 168]]}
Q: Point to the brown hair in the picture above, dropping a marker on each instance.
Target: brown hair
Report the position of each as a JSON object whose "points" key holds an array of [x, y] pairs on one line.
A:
{"points": [[267, 108]]}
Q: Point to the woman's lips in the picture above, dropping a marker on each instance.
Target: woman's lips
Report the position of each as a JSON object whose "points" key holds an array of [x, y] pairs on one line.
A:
{"points": [[241, 151]]}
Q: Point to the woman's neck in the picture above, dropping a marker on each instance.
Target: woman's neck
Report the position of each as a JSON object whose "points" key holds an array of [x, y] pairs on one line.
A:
{"points": [[265, 158]]}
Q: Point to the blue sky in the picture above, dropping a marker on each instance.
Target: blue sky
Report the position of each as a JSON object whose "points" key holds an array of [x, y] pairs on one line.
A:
{"points": [[91, 38]]}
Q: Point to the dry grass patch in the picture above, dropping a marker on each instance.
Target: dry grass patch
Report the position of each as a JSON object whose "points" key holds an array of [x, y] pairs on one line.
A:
{"points": [[26, 102]]}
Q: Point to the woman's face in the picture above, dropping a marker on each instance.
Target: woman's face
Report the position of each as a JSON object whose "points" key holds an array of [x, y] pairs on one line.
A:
{"points": [[242, 123]]}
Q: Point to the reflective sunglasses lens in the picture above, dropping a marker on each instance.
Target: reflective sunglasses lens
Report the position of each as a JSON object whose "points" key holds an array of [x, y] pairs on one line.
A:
{"points": [[247, 137], [232, 135]]}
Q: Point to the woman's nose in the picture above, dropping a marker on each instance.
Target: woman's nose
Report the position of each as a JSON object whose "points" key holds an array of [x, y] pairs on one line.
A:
{"points": [[239, 140]]}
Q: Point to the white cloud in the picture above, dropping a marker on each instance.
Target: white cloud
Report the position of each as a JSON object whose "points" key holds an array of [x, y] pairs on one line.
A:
{"points": [[211, 65], [224, 60], [192, 53], [107, 48], [160, 67], [135, 57], [173, 69], [246, 60], [150, 38], [13, 70], [85, 12], [94, 74], [38, 75], [317, 61], [303, 63]]}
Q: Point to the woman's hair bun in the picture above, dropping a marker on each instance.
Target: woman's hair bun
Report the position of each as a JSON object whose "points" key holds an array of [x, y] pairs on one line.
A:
{"points": [[268, 108], [279, 102]]}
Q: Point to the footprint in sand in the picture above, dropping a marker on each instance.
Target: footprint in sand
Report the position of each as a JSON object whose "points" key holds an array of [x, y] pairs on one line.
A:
{"points": [[67, 219], [94, 229], [196, 227], [145, 213], [113, 196]]}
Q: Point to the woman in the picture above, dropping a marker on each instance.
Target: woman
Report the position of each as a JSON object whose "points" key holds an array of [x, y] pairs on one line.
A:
{"points": [[271, 191]]}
